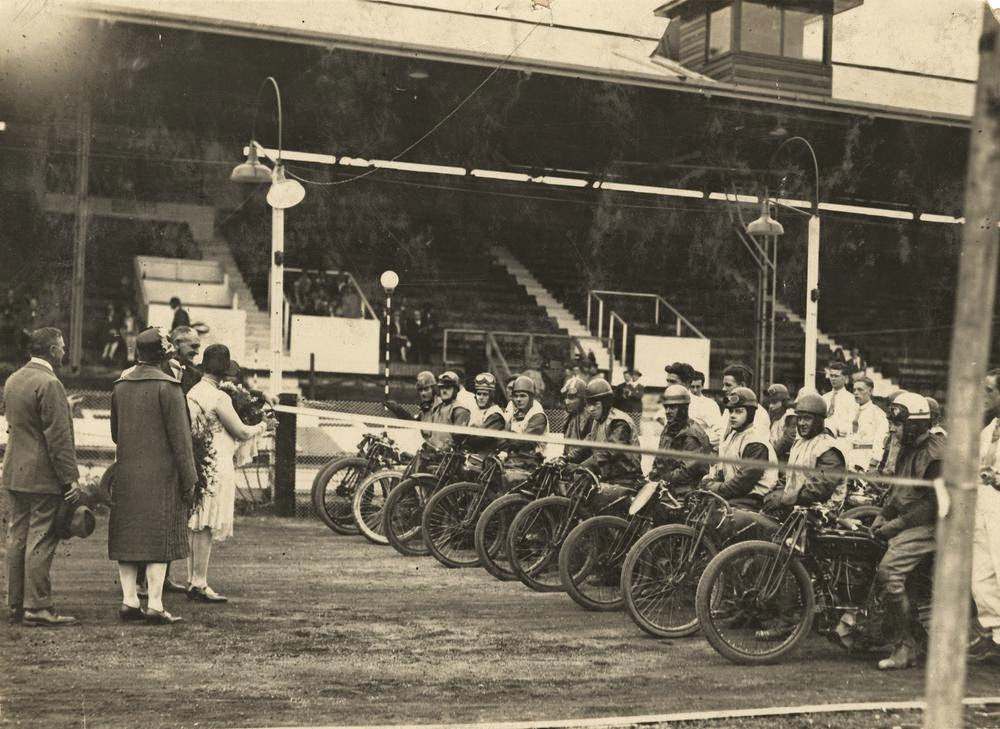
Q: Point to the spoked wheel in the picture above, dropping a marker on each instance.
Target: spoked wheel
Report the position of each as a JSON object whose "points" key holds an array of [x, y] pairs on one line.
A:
{"points": [[491, 535], [755, 603], [449, 524], [333, 493], [403, 512], [590, 563], [369, 503], [533, 542], [660, 577]]}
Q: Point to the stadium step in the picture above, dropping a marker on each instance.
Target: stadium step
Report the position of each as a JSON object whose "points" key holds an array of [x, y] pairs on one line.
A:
{"points": [[563, 317]]}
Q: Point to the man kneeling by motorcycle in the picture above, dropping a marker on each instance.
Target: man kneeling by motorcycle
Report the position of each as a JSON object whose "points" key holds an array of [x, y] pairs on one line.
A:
{"points": [[680, 434], [618, 471], [907, 521]]}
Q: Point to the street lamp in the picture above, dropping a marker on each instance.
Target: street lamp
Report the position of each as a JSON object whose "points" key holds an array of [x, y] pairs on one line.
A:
{"points": [[389, 281], [812, 258], [283, 194]]}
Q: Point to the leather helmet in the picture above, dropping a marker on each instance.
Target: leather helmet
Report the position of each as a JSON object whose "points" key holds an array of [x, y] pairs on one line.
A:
{"points": [[485, 382], [676, 395], [810, 403], [599, 389], [425, 379], [449, 379], [574, 387], [741, 397], [909, 406], [523, 383]]}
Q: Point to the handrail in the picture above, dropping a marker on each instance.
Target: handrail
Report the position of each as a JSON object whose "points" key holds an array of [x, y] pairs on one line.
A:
{"points": [[366, 307], [598, 294], [531, 336]]}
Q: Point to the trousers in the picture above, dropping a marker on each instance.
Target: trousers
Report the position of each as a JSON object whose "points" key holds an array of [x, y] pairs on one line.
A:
{"points": [[986, 559], [31, 545]]}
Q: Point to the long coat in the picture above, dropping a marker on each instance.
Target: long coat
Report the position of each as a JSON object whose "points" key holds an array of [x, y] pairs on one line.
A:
{"points": [[155, 468], [41, 453]]}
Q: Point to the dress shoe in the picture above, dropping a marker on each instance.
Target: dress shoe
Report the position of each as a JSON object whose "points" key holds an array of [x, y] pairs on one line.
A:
{"points": [[170, 586], [205, 594], [46, 619], [130, 614], [160, 617], [903, 656], [15, 616]]}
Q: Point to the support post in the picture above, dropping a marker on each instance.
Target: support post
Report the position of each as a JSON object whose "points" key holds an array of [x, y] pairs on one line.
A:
{"points": [[774, 307], [82, 223], [970, 350], [812, 301], [277, 297], [656, 315], [312, 375], [388, 347], [600, 318], [284, 457]]}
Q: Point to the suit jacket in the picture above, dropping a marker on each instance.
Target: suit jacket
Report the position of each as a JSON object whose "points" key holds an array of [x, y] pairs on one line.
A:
{"points": [[41, 451]]}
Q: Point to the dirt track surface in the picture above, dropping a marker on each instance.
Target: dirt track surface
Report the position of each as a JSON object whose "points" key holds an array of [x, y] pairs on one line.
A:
{"points": [[324, 629]]}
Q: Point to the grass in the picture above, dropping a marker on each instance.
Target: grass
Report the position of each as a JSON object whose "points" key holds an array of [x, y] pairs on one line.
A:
{"points": [[323, 629]]}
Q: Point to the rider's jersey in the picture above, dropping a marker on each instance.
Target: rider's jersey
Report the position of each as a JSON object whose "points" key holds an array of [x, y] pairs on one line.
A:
{"points": [[734, 445], [614, 466], [532, 422], [815, 488]]}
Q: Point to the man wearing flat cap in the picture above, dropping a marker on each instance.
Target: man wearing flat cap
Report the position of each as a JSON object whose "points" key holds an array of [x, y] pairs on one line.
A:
{"points": [[39, 472]]}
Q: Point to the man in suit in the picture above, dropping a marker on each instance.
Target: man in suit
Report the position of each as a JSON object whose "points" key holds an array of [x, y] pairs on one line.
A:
{"points": [[181, 318], [187, 344], [39, 471]]}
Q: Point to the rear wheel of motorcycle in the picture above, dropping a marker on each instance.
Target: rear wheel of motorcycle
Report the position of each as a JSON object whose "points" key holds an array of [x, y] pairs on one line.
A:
{"points": [[369, 503], [660, 577], [750, 609], [491, 535], [534, 540], [333, 493], [449, 524], [587, 569], [403, 512]]}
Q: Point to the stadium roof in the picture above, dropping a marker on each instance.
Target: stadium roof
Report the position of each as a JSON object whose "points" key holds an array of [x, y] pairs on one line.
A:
{"points": [[521, 38]]}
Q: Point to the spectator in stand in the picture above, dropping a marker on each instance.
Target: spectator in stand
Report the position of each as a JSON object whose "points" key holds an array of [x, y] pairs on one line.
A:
{"points": [[628, 396], [399, 344], [856, 361], [10, 329], [702, 411], [739, 375], [111, 327], [592, 369], [415, 329], [869, 430], [128, 332], [841, 407], [181, 318], [302, 291]]}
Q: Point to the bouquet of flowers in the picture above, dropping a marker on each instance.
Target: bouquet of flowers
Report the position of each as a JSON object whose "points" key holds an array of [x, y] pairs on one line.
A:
{"points": [[204, 460], [250, 406]]}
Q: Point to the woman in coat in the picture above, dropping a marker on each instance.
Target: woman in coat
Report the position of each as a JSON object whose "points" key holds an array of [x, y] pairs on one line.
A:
{"points": [[154, 477]]}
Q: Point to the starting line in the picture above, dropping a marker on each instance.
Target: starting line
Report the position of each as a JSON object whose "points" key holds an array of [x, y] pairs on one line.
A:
{"points": [[649, 719]]}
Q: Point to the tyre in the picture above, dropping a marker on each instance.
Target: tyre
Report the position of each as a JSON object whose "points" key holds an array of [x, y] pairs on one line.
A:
{"points": [[369, 503], [751, 610], [333, 493], [491, 535], [449, 524], [590, 563], [534, 539], [404, 509], [865, 514], [660, 577]]}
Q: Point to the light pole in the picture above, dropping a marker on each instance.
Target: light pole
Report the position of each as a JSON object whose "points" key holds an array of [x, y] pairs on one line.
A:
{"points": [[812, 261], [389, 281], [282, 194]]}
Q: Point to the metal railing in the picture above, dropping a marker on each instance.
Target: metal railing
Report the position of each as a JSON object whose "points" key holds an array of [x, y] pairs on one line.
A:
{"points": [[596, 308], [491, 338]]}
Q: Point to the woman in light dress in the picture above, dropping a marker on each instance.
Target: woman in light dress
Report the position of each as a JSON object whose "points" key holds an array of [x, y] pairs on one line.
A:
{"points": [[213, 520]]}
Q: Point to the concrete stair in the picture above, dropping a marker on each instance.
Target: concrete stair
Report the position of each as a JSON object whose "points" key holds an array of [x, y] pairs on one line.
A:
{"points": [[563, 317], [258, 332]]}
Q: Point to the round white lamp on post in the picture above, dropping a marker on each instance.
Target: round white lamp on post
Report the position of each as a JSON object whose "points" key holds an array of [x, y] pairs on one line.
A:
{"points": [[389, 281]]}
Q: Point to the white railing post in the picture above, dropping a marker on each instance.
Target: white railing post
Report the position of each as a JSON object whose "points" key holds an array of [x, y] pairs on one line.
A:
{"points": [[589, 297], [600, 319], [656, 316], [624, 344], [678, 326]]}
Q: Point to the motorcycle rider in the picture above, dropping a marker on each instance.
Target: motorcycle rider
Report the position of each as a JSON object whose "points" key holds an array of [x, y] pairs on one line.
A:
{"points": [[529, 418], [779, 408], [426, 399], [610, 425], [908, 521], [680, 434], [739, 375], [488, 414], [449, 409], [577, 419], [745, 484], [815, 448]]}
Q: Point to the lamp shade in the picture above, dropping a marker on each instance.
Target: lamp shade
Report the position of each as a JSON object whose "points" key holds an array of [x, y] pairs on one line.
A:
{"points": [[389, 280], [252, 171], [284, 193], [765, 224]]}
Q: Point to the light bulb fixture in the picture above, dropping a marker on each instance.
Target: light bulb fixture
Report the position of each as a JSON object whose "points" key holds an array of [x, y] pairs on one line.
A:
{"points": [[284, 193], [389, 280], [765, 224], [253, 171]]}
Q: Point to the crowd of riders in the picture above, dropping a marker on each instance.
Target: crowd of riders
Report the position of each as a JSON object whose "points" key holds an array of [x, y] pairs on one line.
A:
{"points": [[840, 431]]}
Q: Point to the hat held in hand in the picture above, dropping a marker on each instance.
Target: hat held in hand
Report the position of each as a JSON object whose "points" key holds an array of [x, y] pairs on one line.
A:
{"points": [[74, 520]]}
